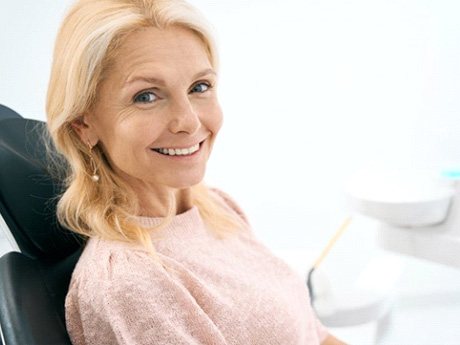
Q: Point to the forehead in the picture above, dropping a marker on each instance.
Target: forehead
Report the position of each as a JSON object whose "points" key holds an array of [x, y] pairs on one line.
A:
{"points": [[161, 50]]}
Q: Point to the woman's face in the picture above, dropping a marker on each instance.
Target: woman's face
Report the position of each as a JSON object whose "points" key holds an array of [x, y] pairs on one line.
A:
{"points": [[157, 112]]}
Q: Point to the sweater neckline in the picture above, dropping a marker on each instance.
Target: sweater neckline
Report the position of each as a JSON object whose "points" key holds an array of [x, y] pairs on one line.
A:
{"points": [[186, 222]]}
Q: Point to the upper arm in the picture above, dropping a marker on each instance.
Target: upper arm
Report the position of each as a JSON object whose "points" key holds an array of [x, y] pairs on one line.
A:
{"points": [[161, 312], [138, 306]]}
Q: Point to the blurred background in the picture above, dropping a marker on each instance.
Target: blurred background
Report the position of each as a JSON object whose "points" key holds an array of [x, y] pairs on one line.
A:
{"points": [[313, 92]]}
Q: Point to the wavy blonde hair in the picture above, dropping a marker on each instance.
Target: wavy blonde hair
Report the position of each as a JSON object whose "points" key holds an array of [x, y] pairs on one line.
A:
{"points": [[86, 46]]}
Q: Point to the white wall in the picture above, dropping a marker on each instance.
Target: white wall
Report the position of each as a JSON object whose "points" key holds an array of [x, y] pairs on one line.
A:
{"points": [[27, 31], [312, 91]]}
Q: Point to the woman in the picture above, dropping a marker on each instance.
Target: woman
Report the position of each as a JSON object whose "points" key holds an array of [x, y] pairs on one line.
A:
{"points": [[132, 106]]}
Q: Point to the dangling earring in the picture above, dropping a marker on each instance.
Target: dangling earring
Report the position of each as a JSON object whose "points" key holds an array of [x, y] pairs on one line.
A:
{"points": [[95, 176]]}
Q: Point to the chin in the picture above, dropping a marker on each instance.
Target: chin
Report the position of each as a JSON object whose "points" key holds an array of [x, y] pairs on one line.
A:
{"points": [[187, 182]]}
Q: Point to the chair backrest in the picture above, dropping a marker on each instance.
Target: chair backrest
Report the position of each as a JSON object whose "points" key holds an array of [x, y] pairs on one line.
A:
{"points": [[7, 113], [33, 283], [32, 295], [28, 192]]}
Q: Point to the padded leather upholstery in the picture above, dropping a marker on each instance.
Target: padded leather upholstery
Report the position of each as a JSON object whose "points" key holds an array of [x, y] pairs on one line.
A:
{"points": [[28, 192], [7, 113], [32, 299], [33, 283]]}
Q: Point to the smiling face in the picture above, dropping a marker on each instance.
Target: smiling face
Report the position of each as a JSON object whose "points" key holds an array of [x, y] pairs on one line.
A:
{"points": [[157, 113]]}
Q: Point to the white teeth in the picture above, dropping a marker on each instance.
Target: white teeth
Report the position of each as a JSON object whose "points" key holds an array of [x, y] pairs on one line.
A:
{"points": [[179, 152]]}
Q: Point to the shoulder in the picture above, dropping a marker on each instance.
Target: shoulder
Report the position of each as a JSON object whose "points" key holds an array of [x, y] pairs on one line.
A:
{"points": [[228, 202], [122, 295], [112, 272], [107, 263]]}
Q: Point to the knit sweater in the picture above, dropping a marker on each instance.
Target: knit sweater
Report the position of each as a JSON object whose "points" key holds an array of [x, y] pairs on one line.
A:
{"points": [[231, 291]]}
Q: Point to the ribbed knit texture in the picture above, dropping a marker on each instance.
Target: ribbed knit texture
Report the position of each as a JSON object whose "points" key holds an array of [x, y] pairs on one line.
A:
{"points": [[231, 291]]}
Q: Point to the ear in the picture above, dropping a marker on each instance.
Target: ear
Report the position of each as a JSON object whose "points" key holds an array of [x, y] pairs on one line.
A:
{"points": [[85, 130]]}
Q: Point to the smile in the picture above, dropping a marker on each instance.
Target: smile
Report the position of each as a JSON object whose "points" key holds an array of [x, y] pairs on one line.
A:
{"points": [[178, 152]]}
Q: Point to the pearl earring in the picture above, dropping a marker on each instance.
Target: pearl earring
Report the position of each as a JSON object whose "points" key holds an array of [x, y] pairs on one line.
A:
{"points": [[95, 176]]}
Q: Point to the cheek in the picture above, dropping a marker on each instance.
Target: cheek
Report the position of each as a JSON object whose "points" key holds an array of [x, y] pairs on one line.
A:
{"points": [[128, 138], [213, 119]]}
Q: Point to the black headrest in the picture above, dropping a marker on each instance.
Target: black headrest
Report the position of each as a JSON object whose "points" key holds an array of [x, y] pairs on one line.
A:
{"points": [[7, 113], [28, 192]]}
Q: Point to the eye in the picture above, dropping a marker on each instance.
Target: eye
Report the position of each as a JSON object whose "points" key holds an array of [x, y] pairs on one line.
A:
{"points": [[145, 97], [201, 87]]}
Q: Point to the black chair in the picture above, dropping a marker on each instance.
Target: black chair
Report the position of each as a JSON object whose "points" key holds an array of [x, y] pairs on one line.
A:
{"points": [[34, 282], [7, 113]]}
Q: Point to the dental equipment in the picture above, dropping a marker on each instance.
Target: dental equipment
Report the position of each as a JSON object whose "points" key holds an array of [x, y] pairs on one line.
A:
{"points": [[419, 213]]}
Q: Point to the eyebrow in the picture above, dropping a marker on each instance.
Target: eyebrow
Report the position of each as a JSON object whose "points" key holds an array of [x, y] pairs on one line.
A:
{"points": [[161, 82]]}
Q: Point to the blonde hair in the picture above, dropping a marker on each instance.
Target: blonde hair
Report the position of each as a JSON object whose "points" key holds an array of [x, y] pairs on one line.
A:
{"points": [[86, 46]]}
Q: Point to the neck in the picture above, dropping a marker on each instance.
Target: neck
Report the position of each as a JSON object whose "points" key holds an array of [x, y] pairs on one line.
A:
{"points": [[154, 204]]}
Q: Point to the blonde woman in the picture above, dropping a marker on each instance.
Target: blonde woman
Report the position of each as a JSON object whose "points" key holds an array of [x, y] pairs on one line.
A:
{"points": [[132, 106]]}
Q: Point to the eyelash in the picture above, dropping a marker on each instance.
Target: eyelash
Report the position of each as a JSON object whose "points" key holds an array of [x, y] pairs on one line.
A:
{"points": [[208, 85]]}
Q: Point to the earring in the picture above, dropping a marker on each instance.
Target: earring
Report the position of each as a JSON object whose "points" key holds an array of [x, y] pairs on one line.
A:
{"points": [[95, 176]]}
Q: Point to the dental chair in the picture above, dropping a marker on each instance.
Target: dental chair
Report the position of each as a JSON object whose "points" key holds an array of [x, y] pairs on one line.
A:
{"points": [[7, 113], [35, 276]]}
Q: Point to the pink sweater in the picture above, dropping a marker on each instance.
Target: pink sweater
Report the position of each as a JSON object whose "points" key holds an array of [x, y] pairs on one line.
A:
{"points": [[233, 291]]}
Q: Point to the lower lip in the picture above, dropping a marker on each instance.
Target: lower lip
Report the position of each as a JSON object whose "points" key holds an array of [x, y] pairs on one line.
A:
{"points": [[194, 155]]}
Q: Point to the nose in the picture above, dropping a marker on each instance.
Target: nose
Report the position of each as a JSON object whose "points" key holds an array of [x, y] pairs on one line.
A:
{"points": [[184, 117]]}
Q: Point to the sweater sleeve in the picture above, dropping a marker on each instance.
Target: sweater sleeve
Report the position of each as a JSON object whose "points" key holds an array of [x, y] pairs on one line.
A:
{"points": [[138, 302]]}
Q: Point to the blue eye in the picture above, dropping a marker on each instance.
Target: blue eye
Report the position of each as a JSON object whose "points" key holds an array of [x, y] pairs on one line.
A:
{"points": [[201, 87], [145, 97]]}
